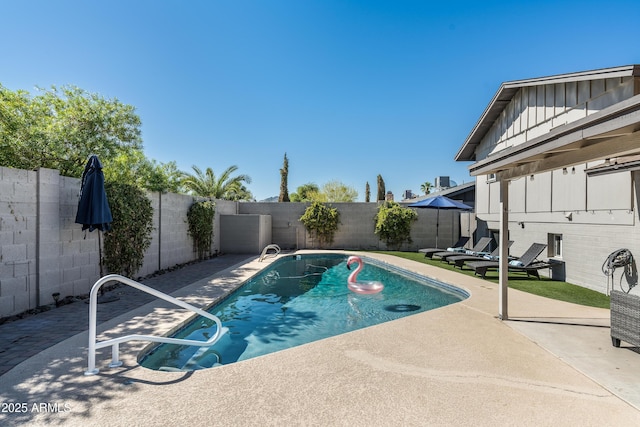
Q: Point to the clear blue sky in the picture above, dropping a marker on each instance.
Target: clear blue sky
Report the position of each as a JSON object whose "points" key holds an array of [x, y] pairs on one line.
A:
{"points": [[348, 89]]}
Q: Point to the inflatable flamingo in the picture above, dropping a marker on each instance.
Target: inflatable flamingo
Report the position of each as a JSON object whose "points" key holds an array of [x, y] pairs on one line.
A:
{"points": [[361, 287]]}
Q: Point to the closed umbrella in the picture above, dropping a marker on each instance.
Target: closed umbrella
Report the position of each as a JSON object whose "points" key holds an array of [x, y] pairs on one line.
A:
{"points": [[93, 206], [440, 202]]}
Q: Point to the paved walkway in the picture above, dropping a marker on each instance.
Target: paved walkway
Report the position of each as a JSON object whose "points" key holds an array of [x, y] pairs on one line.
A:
{"points": [[29, 336]]}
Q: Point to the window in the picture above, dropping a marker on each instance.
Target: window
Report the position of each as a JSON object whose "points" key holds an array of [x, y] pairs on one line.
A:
{"points": [[554, 245]]}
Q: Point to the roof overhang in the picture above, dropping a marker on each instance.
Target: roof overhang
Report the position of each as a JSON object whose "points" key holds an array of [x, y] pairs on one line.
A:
{"points": [[612, 132], [620, 164], [508, 90]]}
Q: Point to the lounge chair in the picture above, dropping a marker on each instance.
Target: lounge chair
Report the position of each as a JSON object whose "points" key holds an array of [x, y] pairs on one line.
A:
{"points": [[459, 260], [527, 263], [481, 246], [459, 245]]}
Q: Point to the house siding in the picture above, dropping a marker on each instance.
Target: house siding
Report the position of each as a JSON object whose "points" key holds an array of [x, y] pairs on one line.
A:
{"points": [[603, 208]]}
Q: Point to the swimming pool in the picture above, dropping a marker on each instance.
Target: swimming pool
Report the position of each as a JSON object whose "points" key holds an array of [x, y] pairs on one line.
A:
{"points": [[300, 299]]}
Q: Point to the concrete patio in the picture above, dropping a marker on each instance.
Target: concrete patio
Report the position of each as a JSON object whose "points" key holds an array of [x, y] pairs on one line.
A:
{"points": [[551, 364]]}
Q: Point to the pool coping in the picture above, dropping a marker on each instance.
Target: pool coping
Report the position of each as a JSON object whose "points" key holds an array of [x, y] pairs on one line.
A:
{"points": [[219, 299]]}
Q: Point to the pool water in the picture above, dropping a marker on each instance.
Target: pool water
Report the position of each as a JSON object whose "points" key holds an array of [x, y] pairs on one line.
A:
{"points": [[297, 300]]}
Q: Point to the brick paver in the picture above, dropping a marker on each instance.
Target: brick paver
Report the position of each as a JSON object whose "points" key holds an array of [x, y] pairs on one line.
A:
{"points": [[23, 338]]}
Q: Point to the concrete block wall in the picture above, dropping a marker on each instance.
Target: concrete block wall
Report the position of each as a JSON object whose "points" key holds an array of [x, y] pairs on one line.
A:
{"points": [[43, 251], [223, 207], [18, 235], [79, 255], [286, 229], [356, 229], [246, 233], [585, 247], [170, 242], [176, 246]]}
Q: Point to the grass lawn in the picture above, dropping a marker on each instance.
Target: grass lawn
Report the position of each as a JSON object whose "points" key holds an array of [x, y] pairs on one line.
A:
{"points": [[545, 287]]}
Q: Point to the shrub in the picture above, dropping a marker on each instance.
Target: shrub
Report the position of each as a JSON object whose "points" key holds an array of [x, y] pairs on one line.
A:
{"points": [[393, 224], [321, 221], [130, 234], [200, 218]]}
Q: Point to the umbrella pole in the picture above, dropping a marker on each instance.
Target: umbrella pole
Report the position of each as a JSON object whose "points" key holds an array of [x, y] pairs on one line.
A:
{"points": [[100, 251], [437, 226], [100, 258]]}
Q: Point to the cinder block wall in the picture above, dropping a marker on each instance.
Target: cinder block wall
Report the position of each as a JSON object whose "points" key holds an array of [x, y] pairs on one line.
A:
{"points": [[18, 232], [357, 226], [245, 233], [43, 251]]}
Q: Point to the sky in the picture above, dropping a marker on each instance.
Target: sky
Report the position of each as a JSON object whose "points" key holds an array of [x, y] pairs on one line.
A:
{"points": [[349, 90]]}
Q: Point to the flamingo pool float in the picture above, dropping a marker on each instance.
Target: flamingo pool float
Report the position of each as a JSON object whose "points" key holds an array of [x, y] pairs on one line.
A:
{"points": [[370, 287]]}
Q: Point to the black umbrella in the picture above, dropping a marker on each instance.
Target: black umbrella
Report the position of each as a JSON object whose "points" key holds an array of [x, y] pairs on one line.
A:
{"points": [[93, 207], [440, 202]]}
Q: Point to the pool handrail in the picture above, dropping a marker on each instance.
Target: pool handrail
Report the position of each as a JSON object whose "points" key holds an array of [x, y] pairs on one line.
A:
{"points": [[273, 246], [115, 342]]}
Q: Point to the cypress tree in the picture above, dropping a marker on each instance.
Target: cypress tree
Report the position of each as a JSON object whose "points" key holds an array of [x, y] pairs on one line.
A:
{"points": [[284, 177], [381, 189]]}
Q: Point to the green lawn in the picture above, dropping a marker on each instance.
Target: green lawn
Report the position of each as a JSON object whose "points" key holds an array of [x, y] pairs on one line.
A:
{"points": [[545, 287]]}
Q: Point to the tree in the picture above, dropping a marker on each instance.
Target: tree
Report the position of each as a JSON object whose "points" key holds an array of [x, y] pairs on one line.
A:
{"points": [[336, 191], [367, 193], [284, 177], [134, 168], [381, 190], [305, 193], [426, 187], [61, 128], [164, 177], [227, 187]]}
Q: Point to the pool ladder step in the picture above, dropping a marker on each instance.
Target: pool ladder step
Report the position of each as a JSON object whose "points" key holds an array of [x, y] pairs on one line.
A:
{"points": [[266, 249], [115, 342]]}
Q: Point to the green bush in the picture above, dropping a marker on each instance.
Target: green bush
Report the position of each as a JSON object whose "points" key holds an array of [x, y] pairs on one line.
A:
{"points": [[321, 221], [130, 234], [200, 218], [393, 224]]}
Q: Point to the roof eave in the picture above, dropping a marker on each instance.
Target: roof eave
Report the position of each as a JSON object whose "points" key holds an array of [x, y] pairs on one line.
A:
{"points": [[507, 90]]}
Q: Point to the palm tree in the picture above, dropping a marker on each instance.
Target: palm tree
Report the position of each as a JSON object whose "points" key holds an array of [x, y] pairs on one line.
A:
{"points": [[205, 184], [426, 187]]}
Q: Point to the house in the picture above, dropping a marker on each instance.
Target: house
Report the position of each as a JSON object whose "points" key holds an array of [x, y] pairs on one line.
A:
{"points": [[556, 161]]}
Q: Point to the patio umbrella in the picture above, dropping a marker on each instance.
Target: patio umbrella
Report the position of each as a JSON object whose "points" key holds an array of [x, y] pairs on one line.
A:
{"points": [[93, 207], [440, 202]]}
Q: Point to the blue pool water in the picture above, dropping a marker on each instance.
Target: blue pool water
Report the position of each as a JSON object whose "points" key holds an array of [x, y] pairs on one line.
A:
{"points": [[297, 300]]}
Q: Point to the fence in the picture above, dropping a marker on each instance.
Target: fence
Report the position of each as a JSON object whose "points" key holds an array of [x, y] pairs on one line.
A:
{"points": [[43, 251]]}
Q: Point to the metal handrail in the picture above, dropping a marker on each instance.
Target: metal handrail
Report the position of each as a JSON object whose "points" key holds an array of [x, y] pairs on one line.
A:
{"points": [[266, 248], [115, 342]]}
